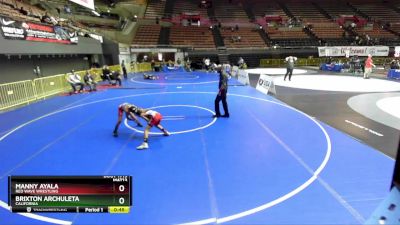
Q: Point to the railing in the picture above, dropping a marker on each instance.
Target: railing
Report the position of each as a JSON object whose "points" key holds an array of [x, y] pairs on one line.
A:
{"points": [[27, 91], [16, 93]]}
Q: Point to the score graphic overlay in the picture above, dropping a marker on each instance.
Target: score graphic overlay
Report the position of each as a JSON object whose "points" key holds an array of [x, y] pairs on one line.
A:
{"points": [[84, 194]]}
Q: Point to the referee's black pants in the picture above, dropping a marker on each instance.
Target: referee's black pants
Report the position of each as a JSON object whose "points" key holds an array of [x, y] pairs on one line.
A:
{"points": [[221, 97]]}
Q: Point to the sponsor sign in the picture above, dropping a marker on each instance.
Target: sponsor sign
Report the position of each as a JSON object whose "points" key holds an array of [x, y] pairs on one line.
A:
{"points": [[98, 37], [86, 3], [266, 84], [235, 71], [397, 51], [353, 50], [28, 31], [243, 77]]}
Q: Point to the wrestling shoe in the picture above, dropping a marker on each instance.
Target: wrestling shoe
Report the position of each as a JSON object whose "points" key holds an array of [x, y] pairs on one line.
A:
{"points": [[166, 133], [144, 145]]}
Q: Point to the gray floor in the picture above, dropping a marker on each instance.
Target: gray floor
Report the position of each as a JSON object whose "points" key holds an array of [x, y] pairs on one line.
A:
{"points": [[362, 120]]}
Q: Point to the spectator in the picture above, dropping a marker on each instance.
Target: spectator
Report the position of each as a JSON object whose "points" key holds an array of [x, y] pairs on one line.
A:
{"points": [[106, 74], [394, 64], [369, 63], [153, 65], [116, 76], [45, 18], [67, 9], [23, 11], [241, 63], [188, 65], [75, 80], [207, 64], [354, 64], [89, 81], [124, 69]]}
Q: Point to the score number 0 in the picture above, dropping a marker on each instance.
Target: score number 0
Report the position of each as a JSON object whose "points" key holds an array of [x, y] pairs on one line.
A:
{"points": [[121, 200]]}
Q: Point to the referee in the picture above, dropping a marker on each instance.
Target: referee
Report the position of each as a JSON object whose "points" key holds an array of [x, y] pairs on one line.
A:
{"points": [[223, 89]]}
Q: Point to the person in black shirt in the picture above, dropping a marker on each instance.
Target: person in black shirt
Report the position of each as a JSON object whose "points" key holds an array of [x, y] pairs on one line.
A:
{"points": [[124, 69], [89, 81], [222, 92], [106, 74]]}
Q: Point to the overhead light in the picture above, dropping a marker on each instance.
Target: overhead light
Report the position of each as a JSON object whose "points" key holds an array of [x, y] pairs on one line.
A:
{"points": [[95, 13]]}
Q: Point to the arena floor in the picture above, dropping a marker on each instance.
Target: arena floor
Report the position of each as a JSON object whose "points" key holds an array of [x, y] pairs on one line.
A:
{"points": [[267, 161]]}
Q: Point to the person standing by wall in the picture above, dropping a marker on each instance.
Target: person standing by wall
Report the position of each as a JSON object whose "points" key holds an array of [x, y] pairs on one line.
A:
{"points": [[290, 61], [124, 69], [369, 63]]}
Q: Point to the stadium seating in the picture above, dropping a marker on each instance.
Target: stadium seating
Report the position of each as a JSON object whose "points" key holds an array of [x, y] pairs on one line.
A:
{"points": [[229, 11], [197, 37], [306, 11], [147, 35], [189, 6], [242, 38], [154, 9]]}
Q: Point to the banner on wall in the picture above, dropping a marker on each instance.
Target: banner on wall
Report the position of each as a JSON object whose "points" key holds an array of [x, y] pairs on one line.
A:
{"points": [[397, 51], [243, 77], [15, 30], [235, 71], [353, 50], [86, 3]]}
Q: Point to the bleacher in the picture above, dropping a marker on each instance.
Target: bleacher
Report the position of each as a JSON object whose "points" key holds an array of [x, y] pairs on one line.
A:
{"points": [[306, 11], [378, 12], [197, 37], [330, 33], [261, 8], [375, 31], [11, 9], [225, 11], [290, 36], [147, 35], [395, 27], [189, 6], [335, 9], [249, 38], [327, 30], [155, 8]]}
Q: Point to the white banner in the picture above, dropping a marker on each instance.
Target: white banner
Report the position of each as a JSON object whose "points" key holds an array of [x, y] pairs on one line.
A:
{"points": [[266, 84], [397, 51], [87, 3], [353, 50], [235, 71], [243, 77]]}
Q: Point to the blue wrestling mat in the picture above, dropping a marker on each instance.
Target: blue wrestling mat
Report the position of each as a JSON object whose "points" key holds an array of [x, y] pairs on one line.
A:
{"points": [[267, 164]]}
